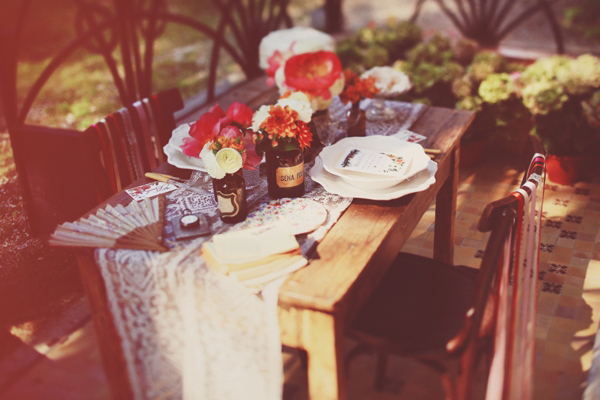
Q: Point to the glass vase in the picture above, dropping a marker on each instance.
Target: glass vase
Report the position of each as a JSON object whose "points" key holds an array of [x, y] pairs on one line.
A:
{"points": [[356, 121], [230, 193], [285, 173]]}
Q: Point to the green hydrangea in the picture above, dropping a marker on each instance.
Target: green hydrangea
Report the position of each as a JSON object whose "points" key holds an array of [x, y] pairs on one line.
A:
{"points": [[581, 75], [470, 103], [407, 33], [496, 88], [545, 69], [465, 50], [436, 50], [374, 55], [424, 76], [485, 63], [462, 87], [543, 96], [451, 71], [591, 109]]}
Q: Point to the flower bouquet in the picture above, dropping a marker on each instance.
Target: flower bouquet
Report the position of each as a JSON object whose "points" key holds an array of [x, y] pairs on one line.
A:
{"points": [[317, 74], [357, 88], [389, 82], [217, 137], [281, 133]]}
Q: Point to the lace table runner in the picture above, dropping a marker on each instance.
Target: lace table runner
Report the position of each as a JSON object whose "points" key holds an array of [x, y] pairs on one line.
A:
{"points": [[188, 332]]}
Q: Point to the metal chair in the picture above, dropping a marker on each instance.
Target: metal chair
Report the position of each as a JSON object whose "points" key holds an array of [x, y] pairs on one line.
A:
{"points": [[435, 312]]}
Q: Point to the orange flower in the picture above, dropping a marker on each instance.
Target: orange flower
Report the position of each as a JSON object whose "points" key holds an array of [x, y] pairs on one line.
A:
{"points": [[356, 88], [281, 122], [304, 135]]}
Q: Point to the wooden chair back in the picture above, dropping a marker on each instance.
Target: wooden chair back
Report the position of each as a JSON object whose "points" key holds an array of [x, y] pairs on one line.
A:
{"points": [[64, 173], [511, 372]]}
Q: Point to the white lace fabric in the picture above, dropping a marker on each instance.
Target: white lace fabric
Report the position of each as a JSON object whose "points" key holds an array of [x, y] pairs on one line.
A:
{"points": [[189, 332]]}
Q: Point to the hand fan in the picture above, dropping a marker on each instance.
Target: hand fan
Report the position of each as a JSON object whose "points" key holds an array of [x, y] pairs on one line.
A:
{"points": [[135, 226]]}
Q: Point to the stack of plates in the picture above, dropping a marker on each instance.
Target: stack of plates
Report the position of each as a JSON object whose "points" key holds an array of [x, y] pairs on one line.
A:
{"points": [[374, 176], [174, 154]]}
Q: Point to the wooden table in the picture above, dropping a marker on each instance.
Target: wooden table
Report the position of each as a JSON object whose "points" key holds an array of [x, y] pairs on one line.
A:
{"points": [[317, 302]]}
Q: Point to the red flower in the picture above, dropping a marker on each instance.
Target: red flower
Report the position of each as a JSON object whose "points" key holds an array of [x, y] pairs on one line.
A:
{"points": [[240, 113], [313, 72]]}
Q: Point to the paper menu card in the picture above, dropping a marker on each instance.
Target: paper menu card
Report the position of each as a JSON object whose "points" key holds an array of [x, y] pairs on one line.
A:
{"points": [[373, 162], [254, 243]]}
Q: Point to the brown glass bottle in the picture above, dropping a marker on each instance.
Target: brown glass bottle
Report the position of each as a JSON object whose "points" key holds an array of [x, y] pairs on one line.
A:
{"points": [[285, 173], [357, 121], [230, 193]]}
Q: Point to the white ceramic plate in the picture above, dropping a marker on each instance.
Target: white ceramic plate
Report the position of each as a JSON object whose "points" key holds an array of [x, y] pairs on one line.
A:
{"points": [[174, 154], [302, 215], [416, 157], [337, 185]]}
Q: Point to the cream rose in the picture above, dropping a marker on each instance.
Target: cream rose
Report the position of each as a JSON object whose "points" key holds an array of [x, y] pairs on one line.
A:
{"points": [[229, 160]]}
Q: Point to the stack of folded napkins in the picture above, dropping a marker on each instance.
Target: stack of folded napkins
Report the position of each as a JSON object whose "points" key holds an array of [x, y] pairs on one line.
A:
{"points": [[254, 256]]}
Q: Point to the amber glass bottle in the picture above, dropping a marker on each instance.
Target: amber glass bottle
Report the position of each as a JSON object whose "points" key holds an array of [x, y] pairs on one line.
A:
{"points": [[285, 173], [230, 193], [357, 121]]}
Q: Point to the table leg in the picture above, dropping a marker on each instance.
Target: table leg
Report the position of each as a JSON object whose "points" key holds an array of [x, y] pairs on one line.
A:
{"points": [[323, 341], [445, 213]]}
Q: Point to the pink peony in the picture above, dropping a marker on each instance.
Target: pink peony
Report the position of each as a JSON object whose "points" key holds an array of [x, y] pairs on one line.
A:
{"points": [[230, 132], [191, 147], [240, 113]]}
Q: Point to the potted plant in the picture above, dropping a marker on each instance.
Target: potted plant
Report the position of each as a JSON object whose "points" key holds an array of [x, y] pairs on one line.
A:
{"points": [[562, 94]]}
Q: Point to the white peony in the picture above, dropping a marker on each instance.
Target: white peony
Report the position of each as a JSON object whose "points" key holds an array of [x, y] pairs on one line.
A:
{"points": [[389, 80], [230, 160], [296, 40], [210, 162]]}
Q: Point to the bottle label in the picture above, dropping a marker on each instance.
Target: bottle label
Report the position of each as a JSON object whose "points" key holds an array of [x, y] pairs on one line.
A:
{"points": [[229, 203], [290, 176]]}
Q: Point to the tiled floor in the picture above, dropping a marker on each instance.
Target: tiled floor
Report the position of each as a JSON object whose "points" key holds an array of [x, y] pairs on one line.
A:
{"points": [[568, 311]]}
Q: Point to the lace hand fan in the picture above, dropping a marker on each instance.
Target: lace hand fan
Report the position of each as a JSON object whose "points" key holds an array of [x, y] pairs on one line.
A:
{"points": [[137, 226]]}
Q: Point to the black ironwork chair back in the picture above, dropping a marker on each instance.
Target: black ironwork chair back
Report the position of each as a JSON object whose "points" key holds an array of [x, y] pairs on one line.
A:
{"points": [[130, 27]]}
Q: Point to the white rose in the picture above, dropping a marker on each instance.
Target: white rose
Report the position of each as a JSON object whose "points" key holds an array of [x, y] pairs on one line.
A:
{"points": [[389, 80], [259, 117], [210, 162], [303, 108]]}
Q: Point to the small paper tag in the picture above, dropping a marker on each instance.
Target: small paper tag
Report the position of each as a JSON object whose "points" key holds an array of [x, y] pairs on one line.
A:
{"points": [[372, 162], [150, 190], [409, 136]]}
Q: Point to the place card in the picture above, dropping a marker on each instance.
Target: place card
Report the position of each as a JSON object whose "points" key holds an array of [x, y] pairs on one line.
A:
{"points": [[409, 136], [148, 190], [373, 162]]}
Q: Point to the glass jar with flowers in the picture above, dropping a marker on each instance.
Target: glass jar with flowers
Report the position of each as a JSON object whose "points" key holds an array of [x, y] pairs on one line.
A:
{"points": [[218, 139], [282, 134], [356, 89]]}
